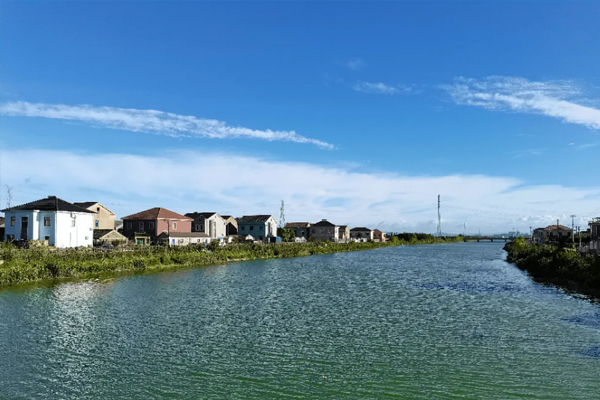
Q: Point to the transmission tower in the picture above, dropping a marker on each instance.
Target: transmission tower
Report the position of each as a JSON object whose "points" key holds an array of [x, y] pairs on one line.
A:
{"points": [[282, 215], [439, 226]]}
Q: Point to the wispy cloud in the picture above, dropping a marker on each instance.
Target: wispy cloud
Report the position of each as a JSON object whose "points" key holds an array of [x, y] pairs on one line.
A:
{"points": [[152, 121], [381, 88], [557, 99], [526, 152], [355, 64], [223, 182], [588, 145]]}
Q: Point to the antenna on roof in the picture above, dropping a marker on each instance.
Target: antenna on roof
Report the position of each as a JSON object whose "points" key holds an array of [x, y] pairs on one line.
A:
{"points": [[282, 215]]}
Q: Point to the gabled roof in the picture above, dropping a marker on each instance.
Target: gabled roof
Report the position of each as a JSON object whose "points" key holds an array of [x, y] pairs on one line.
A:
{"points": [[360, 229], [100, 233], [156, 213], [254, 218], [226, 216], [197, 214], [297, 225], [88, 204], [50, 203], [323, 222], [553, 227], [378, 231]]}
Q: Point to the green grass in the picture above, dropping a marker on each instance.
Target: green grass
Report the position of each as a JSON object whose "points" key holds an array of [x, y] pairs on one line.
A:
{"points": [[560, 266], [36, 264]]}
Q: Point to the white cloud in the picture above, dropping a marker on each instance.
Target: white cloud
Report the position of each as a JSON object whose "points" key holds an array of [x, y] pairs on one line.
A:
{"points": [[557, 99], [381, 88], [153, 121], [234, 184], [355, 64]]}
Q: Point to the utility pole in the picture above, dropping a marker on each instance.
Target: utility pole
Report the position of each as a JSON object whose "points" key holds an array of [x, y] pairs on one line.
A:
{"points": [[439, 227], [282, 215], [573, 229]]}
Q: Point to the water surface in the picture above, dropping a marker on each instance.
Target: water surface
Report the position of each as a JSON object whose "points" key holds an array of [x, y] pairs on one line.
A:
{"points": [[441, 321]]}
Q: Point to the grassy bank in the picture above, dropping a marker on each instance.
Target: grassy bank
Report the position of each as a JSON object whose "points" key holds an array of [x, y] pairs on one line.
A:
{"points": [[559, 266], [21, 265]]}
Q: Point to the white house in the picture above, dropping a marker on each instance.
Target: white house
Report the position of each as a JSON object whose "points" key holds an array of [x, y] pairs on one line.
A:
{"points": [[210, 223], [58, 222]]}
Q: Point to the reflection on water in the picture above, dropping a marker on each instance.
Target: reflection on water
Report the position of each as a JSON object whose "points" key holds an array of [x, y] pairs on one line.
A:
{"points": [[443, 321]]}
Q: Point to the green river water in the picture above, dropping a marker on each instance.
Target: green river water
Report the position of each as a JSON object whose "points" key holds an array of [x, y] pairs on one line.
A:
{"points": [[449, 321]]}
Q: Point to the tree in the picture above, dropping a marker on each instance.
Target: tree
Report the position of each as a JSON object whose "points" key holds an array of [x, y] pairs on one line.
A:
{"points": [[286, 234]]}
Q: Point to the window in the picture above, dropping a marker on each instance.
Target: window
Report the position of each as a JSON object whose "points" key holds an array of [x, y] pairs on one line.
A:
{"points": [[47, 238], [151, 225], [201, 227], [72, 222], [97, 209], [174, 225], [97, 223], [141, 226], [251, 228], [197, 227], [13, 221], [262, 227], [47, 221], [129, 225], [243, 228]]}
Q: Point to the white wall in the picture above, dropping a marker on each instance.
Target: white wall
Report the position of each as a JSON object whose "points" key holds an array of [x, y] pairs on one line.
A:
{"points": [[82, 234]]}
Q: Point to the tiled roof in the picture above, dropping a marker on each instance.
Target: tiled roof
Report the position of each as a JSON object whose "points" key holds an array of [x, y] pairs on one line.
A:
{"points": [[88, 204], [553, 227], [156, 213], [323, 223], [297, 225], [378, 231], [197, 214], [254, 218], [50, 203], [360, 229], [100, 233]]}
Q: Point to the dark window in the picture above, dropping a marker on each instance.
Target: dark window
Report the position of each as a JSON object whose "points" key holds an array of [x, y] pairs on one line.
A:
{"points": [[174, 225], [129, 225], [13, 221], [97, 209], [251, 228], [47, 238], [151, 225], [97, 223], [141, 227], [47, 221]]}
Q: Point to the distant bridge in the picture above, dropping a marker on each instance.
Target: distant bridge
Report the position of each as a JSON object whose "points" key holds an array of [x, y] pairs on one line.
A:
{"points": [[487, 238]]}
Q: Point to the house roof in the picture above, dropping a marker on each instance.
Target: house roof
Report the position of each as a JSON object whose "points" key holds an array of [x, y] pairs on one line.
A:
{"points": [[182, 234], [197, 214], [50, 203], [156, 213], [254, 218], [88, 204], [323, 222], [377, 231], [297, 225], [100, 233], [360, 229], [553, 227], [226, 216]]}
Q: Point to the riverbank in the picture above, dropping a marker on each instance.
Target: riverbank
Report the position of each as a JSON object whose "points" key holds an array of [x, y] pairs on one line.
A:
{"points": [[561, 267], [31, 265]]}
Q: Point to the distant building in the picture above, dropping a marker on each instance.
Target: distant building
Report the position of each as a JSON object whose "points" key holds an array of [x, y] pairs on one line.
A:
{"points": [[551, 233], [325, 230], [145, 227], [379, 236], [260, 227], [53, 220], [231, 225], [301, 229], [344, 233], [110, 236], [209, 223], [184, 238], [361, 234], [103, 217]]}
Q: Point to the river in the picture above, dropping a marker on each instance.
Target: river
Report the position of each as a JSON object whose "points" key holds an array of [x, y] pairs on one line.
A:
{"points": [[450, 321]]}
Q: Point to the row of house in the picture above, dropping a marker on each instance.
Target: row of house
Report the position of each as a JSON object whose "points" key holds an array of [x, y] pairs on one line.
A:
{"points": [[325, 230], [551, 233], [56, 222]]}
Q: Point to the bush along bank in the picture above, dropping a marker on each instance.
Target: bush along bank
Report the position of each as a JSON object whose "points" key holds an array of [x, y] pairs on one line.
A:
{"points": [[560, 266], [35, 264]]}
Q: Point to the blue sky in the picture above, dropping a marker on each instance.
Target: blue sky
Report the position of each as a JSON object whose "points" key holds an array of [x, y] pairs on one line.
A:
{"points": [[359, 112]]}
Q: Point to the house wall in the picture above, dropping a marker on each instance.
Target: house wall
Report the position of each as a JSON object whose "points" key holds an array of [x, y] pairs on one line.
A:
{"points": [[258, 230], [361, 235], [131, 227], [325, 232], [218, 228], [106, 219], [165, 225], [79, 235]]}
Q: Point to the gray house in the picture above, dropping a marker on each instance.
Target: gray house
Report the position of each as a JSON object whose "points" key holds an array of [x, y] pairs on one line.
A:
{"points": [[301, 229], [325, 230], [209, 223], [361, 234], [259, 227]]}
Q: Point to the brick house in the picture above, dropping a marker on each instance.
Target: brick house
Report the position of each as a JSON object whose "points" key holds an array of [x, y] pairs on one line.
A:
{"points": [[145, 227]]}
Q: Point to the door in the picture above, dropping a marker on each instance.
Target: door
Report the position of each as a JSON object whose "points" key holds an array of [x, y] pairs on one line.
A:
{"points": [[24, 227]]}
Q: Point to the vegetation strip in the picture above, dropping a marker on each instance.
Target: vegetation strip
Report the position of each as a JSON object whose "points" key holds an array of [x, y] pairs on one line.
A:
{"points": [[30, 265], [560, 266]]}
